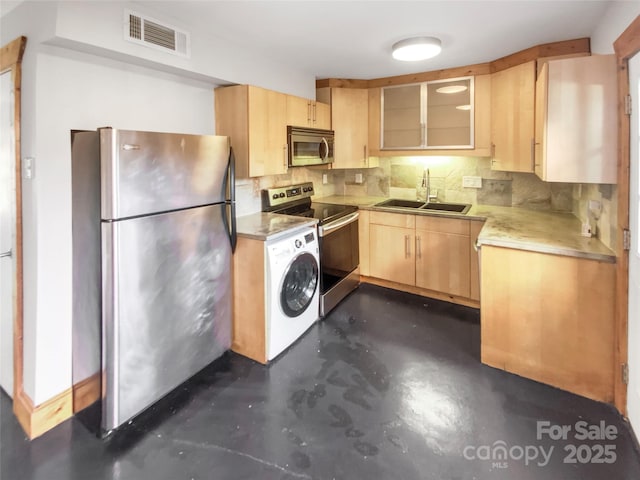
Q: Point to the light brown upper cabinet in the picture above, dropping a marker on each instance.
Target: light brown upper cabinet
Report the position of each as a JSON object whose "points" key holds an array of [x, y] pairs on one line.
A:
{"points": [[417, 119], [576, 120], [256, 121], [429, 115], [302, 112], [349, 121], [512, 118]]}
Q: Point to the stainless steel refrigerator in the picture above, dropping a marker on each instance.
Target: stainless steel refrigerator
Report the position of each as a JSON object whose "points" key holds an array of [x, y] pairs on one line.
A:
{"points": [[153, 233]]}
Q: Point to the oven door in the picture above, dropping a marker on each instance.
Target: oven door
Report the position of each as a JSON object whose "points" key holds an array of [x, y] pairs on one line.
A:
{"points": [[339, 250]]}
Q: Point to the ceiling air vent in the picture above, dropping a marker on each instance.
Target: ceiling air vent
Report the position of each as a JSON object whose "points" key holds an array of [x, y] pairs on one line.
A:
{"points": [[153, 33]]}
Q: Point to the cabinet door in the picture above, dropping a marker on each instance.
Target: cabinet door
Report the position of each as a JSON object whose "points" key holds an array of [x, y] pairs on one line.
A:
{"points": [[443, 255], [321, 115], [482, 112], [391, 255], [449, 113], [349, 119], [299, 111], [267, 132], [474, 266], [512, 116], [576, 120], [542, 84], [402, 123]]}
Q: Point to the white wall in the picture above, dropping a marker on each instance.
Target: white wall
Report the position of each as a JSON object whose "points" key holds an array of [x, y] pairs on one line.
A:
{"points": [[616, 19], [79, 74]]}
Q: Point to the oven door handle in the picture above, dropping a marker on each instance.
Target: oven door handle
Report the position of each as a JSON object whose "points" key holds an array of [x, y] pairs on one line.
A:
{"points": [[325, 230]]}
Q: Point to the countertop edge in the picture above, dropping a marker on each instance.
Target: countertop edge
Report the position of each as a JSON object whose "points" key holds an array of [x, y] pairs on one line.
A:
{"points": [[294, 224], [540, 248], [368, 203]]}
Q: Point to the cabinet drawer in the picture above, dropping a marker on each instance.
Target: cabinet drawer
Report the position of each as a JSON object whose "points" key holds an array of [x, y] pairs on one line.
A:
{"points": [[393, 219], [444, 225]]}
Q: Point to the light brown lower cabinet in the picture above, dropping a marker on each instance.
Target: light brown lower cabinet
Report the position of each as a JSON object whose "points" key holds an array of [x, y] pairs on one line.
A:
{"points": [[443, 255], [391, 239], [427, 255], [549, 318]]}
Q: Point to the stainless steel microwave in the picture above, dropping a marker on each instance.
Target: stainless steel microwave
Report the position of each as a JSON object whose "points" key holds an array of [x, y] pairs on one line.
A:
{"points": [[309, 146]]}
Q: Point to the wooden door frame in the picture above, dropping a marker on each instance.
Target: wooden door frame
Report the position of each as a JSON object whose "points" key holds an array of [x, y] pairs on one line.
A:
{"points": [[625, 47], [11, 60]]}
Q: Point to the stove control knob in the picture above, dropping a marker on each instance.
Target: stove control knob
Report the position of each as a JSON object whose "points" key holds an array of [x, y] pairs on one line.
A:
{"points": [[275, 195], [298, 243], [282, 195]]}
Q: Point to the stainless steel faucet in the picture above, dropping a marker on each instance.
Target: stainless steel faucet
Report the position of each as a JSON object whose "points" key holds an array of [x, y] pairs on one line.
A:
{"points": [[428, 186]]}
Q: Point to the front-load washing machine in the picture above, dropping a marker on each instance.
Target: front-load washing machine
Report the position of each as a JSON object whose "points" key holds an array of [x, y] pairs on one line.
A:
{"points": [[292, 288]]}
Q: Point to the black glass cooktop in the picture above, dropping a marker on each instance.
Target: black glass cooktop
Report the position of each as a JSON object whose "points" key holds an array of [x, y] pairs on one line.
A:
{"points": [[324, 212]]}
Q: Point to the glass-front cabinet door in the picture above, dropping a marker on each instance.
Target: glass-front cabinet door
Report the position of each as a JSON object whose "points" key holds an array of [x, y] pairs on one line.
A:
{"points": [[429, 115], [402, 117]]}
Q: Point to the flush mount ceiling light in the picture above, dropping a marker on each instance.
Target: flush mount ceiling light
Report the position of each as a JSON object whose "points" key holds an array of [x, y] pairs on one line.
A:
{"points": [[452, 89], [417, 48]]}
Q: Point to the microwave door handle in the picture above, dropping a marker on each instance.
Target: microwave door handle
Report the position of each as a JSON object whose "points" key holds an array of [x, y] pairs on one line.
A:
{"points": [[326, 149]]}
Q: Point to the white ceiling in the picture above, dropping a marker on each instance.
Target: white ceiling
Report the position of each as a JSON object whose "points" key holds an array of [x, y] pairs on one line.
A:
{"points": [[352, 39]]}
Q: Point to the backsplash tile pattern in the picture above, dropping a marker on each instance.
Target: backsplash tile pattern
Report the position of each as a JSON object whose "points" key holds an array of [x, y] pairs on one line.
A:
{"points": [[400, 177]]}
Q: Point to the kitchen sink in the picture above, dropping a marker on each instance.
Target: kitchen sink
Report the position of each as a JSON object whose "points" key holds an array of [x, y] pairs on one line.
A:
{"points": [[447, 207], [400, 203], [433, 206]]}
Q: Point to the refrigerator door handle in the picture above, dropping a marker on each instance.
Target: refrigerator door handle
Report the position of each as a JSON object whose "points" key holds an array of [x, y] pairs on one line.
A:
{"points": [[230, 181]]}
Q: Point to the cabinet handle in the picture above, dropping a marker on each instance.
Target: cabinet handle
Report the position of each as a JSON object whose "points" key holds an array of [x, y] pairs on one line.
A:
{"points": [[286, 156], [309, 113], [418, 247], [314, 113], [407, 246], [493, 153], [364, 160], [533, 154]]}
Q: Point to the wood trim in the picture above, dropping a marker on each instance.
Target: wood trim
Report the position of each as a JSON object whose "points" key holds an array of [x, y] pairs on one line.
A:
{"points": [[628, 43], [423, 292], [477, 69], [567, 47], [626, 46], [37, 420], [11, 60], [342, 83], [11, 54], [86, 392]]}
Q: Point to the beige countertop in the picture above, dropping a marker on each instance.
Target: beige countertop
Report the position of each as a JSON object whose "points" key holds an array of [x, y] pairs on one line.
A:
{"points": [[270, 226], [535, 230]]}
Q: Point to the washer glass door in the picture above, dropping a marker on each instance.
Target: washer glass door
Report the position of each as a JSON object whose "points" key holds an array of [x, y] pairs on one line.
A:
{"points": [[299, 285]]}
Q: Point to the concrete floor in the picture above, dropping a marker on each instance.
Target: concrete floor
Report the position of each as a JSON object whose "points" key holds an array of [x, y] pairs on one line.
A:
{"points": [[388, 386]]}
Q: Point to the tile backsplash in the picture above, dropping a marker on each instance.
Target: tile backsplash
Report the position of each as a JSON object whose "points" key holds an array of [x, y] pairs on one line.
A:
{"points": [[400, 177]]}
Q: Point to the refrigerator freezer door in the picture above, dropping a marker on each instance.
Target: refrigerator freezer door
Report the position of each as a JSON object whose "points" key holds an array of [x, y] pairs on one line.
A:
{"points": [[150, 172], [166, 305]]}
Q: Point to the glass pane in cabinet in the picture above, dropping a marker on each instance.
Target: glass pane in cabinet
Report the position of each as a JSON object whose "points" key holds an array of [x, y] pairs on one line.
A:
{"points": [[401, 118], [450, 113]]}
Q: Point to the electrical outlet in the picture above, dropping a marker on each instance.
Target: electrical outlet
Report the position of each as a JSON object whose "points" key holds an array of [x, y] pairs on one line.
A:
{"points": [[358, 178], [325, 178], [28, 167], [471, 181]]}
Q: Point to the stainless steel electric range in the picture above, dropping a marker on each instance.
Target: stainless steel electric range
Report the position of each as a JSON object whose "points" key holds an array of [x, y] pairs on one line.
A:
{"points": [[337, 232]]}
